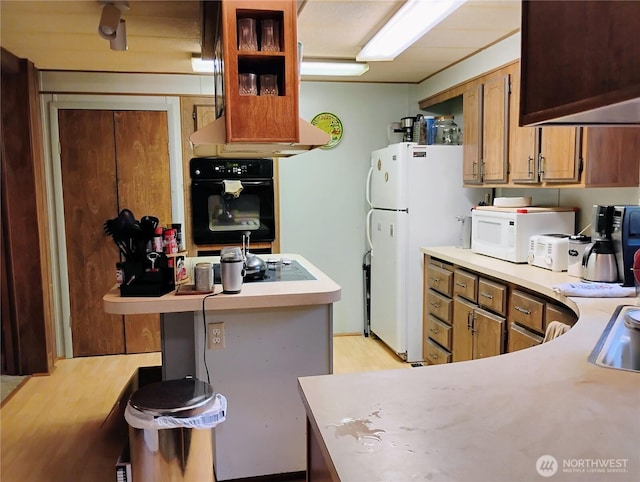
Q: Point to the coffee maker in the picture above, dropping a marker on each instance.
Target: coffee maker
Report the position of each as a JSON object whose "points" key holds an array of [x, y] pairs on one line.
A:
{"points": [[599, 261], [626, 239]]}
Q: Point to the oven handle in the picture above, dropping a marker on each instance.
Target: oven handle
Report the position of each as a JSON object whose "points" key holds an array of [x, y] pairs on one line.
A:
{"points": [[217, 182]]}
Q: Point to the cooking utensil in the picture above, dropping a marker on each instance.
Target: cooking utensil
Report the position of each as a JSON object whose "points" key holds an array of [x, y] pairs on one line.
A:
{"points": [[254, 266]]}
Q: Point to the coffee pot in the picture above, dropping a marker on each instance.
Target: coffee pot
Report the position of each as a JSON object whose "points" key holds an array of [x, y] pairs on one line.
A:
{"points": [[599, 262]]}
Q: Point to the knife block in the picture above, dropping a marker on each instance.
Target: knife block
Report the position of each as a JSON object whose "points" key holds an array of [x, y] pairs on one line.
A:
{"points": [[141, 280]]}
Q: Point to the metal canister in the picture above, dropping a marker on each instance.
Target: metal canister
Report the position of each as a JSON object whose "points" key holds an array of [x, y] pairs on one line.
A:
{"points": [[203, 276]]}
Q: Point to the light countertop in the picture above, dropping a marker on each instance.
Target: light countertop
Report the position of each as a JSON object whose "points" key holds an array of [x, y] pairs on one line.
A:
{"points": [[489, 419], [322, 290]]}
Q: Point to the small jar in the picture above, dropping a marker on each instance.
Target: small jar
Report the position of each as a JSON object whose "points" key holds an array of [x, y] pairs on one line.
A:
{"points": [[446, 131]]}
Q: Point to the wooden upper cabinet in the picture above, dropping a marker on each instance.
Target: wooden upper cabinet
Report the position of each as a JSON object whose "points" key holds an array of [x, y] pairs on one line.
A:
{"points": [[611, 156], [578, 57], [559, 155], [472, 146], [495, 130], [523, 141], [261, 118]]}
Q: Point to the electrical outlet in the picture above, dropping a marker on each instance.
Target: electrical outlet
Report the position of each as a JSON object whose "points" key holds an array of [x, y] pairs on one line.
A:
{"points": [[215, 335]]}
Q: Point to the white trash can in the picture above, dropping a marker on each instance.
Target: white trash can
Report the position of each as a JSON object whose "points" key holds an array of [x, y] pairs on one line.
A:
{"points": [[170, 425]]}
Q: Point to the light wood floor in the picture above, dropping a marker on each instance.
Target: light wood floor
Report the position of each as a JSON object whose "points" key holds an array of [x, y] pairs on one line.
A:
{"points": [[53, 428]]}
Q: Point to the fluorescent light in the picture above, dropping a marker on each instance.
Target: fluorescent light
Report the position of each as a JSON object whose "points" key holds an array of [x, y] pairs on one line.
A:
{"points": [[309, 67], [333, 68], [412, 21]]}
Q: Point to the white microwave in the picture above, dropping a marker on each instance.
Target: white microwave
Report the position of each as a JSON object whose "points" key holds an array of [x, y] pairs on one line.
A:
{"points": [[504, 233]]}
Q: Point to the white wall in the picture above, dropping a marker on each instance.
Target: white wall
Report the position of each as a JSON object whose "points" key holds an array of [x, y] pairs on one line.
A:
{"points": [[322, 201]]}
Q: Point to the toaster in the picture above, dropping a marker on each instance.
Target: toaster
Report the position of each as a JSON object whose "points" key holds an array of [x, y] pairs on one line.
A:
{"points": [[549, 251]]}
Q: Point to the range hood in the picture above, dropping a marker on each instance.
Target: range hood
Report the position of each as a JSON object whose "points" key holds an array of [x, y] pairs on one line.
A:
{"points": [[211, 141]]}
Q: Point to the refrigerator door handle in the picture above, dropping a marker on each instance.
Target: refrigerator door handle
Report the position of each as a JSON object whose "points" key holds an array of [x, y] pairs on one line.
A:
{"points": [[367, 190], [368, 230]]}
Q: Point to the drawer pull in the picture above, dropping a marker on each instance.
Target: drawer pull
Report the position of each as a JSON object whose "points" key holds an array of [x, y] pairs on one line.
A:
{"points": [[522, 310], [487, 295], [434, 356], [436, 305], [435, 331], [435, 280], [461, 285]]}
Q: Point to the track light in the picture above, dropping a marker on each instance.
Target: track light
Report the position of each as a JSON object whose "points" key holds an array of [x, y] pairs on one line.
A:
{"points": [[112, 26], [109, 21], [119, 42]]}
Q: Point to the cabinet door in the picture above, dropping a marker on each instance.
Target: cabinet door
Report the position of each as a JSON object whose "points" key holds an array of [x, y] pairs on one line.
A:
{"points": [[472, 145], [523, 141], [462, 325], [495, 130], [611, 156], [488, 334], [520, 338], [261, 118], [560, 154]]}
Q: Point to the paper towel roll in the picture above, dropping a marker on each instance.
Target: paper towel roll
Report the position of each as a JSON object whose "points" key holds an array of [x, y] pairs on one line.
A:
{"points": [[232, 187]]}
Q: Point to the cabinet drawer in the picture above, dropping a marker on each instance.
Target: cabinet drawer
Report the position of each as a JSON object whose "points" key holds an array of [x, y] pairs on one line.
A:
{"points": [[465, 284], [440, 306], [440, 279], [527, 310], [438, 331], [521, 338], [435, 354], [492, 296], [559, 313]]}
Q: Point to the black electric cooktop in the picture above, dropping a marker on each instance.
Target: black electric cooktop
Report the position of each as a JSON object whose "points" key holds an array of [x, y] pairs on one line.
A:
{"points": [[277, 271]]}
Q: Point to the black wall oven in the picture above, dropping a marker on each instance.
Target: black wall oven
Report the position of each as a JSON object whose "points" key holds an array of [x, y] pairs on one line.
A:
{"points": [[230, 197]]}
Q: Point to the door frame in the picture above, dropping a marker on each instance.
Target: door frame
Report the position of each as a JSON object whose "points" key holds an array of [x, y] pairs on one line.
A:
{"points": [[51, 104]]}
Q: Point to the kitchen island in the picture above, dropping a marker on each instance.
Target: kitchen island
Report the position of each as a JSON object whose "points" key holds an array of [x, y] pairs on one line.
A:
{"points": [[271, 334], [541, 412]]}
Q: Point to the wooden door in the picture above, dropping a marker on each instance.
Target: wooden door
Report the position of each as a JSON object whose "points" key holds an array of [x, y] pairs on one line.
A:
{"points": [[495, 130], [110, 160], [488, 337], [472, 146], [523, 158], [611, 156], [462, 335], [560, 152], [144, 187], [89, 191]]}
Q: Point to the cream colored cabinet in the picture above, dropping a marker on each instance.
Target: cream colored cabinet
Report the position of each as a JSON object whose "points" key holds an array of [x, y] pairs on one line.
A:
{"points": [[485, 147]]}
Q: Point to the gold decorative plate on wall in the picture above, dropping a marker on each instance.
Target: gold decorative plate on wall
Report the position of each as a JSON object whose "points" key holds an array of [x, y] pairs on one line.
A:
{"points": [[330, 124]]}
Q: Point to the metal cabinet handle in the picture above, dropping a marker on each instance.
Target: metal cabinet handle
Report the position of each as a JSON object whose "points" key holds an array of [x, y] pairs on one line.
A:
{"points": [[522, 310], [435, 280], [540, 165], [461, 285], [434, 356], [487, 295], [435, 331], [436, 305], [529, 170]]}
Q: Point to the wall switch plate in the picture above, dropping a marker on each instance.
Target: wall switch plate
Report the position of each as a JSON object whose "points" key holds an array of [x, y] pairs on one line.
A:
{"points": [[215, 335]]}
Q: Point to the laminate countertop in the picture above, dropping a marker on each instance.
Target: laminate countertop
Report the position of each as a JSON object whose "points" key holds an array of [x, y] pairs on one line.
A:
{"points": [[541, 412], [321, 290]]}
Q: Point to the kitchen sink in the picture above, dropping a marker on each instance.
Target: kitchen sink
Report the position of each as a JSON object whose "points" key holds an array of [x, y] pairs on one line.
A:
{"points": [[613, 349]]}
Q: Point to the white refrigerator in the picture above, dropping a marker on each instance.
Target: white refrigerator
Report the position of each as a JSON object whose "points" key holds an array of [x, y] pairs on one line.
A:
{"points": [[415, 194]]}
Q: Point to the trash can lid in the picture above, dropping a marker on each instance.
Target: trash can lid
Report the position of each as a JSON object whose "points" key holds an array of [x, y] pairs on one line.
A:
{"points": [[186, 397]]}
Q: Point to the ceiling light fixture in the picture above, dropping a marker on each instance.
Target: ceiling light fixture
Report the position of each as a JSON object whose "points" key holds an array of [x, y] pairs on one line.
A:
{"points": [[412, 21], [333, 68], [309, 67], [112, 26]]}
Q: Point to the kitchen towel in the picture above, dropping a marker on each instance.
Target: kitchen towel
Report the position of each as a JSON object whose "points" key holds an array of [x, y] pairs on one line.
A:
{"points": [[554, 330], [588, 289], [233, 187]]}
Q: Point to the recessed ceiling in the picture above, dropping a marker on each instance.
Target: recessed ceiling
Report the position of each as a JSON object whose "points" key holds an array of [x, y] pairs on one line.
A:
{"points": [[163, 35]]}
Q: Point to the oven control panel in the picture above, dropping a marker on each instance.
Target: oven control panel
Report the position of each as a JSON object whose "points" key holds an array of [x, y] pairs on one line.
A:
{"points": [[214, 168]]}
